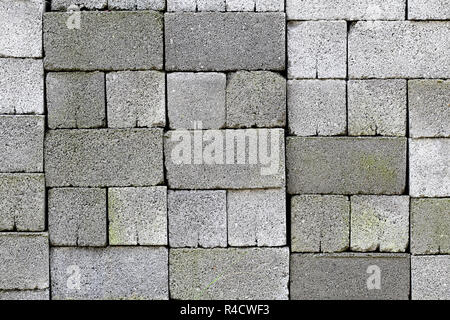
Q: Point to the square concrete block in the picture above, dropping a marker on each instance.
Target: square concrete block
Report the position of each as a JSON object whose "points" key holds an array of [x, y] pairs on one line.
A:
{"points": [[229, 274], [77, 217], [377, 107], [256, 99], [240, 5], [430, 277], [430, 226], [21, 143], [429, 9], [64, 5], [317, 49], [256, 217], [211, 5], [197, 218], [137, 4], [22, 202], [136, 99], [137, 216], [196, 99], [28, 295], [76, 100], [320, 223], [21, 86], [379, 223], [181, 5], [317, 107]]}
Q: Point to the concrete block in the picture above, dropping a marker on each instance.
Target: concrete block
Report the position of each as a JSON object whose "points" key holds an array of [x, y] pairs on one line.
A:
{"points": [[240, 5], [211, 5], [137, 5], [196, 98], [269, 5], [132, 273], [104, 41], [25, 295], [256, 217], [320, 223], [317, 49], [346, 165], [428, 9], [350, 276], [197, 218], [181, 5], [64, 5], [229, 274], [256, 99], [430, 277], [317, 107], [22, 202], [224, 41], [136, 99], [102, 158], [137, 216], [76, 100], [77, 217]]}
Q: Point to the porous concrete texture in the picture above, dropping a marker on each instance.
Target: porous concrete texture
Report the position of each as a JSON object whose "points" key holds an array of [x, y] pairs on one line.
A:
{"points": [[65, 5], [181, 5], [430, 277], [232, 273], [25, 295], [210, 5], [225, 5], [240, 5], [136, 4], [429, 9], [269, 5]]}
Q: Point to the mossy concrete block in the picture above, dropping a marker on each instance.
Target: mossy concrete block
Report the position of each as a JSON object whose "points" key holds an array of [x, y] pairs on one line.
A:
{"points": [[345, 165], [320, 223], [24, 261], [22, 202], [210, 41], [379, 223], [137, 216], [105, 41], [136, 4], [429, 9], [104, 157], [350, 276], [229, 274], [197, 218], [25, 295], [64, 5], [430, 277], [131, 273], [430, 226], [76, 100]]}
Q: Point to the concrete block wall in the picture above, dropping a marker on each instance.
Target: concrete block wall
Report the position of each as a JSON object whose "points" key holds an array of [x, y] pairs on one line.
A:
{"points": [[224, 149]]}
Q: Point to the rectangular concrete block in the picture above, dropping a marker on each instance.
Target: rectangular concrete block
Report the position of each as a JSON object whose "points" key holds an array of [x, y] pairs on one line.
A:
{"points": [[137, 216], [77, 217], [346, 165], [224, 41], [320, 223], [398, 49], [211, 5], [64, 5], [104, 41], [24, 261], [229, 274], [139, 273], [430, 277], [21, 143], [240, 5], [428, 9], [350, 276], [136, 4], [101, 158], [22, 202], [269, 5], [181, 5], [25, 295], [256, 217]]}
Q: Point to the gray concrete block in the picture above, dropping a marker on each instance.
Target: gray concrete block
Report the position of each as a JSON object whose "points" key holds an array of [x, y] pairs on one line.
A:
{"points": [[346, 165], [136, 4], [225, 159], [136, 99], [430, 226], [21, 86], [229, 274], [21, 146], [428, 9], [194, 98], [25, 295], [256, 217], [134, 273], [211, 5], [320, 223], [377, 107], [22, 202], [430, 277], [429, 111], [398, 49], [181, 5], [104, 158], [197, 218], [76, 100], [137, 216], [269, 5], [429, 173], [24, 258], [351, 10], [104, 41], [224, 41], [379, 223], [77, 217], [317, 49], [240, 5], [64, 5], [350, 276], [256, 99], [317, 107]]}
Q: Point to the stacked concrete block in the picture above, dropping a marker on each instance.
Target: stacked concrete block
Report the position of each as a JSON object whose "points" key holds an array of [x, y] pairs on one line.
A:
{"points": [[27, 295], [66, 5], [136, 4], [225, 5], [430, 277], [428, 9]]}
